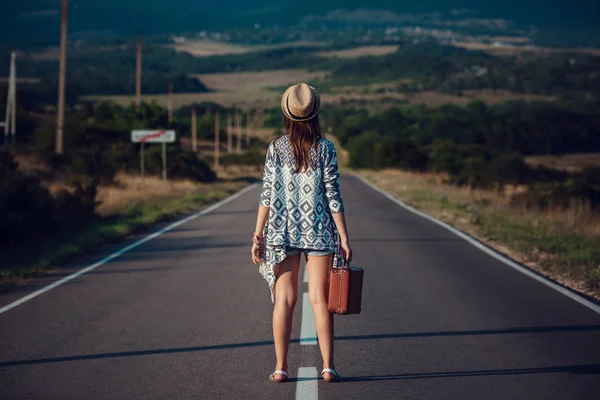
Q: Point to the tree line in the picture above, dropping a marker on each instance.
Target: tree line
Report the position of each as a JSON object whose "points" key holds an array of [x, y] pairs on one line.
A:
{"points": [[423, 66], [480, 146]]}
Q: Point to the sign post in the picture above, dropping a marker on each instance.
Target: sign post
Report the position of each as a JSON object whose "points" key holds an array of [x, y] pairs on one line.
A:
{"points": [[141, 164], [164, 165], [217, 137], [230, 133], [154, 136]]}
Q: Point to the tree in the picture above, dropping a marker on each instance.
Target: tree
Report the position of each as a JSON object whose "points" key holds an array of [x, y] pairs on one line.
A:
{"points": [[474, 172], [510, 169], [364, 153], [444, 157]]}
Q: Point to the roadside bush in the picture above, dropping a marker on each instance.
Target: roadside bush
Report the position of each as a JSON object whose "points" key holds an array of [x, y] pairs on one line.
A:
{"points": [[586, 186], [407, 155], [27, 209], [542, 173], [180, 164], [583, 187], [444, 156], [542, 196], [252, 157], [509, 169], [474, 172], [25, 206], [366, 151]]}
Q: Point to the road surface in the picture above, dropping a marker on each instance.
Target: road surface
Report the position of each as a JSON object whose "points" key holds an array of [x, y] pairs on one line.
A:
{"points": [[186, 315]]}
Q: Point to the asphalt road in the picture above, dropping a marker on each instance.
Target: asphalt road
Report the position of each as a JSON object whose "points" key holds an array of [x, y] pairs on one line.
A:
{"points": [[187, 316]]}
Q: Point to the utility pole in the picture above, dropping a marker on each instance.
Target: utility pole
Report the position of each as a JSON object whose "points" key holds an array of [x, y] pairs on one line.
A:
{"points": [[138, 73], [261, 121], [194, 132], [256, 121], [248, 126], [238, 122], [10, 122], [13, 116], [60, 111], [217, 137], [170, 102], [230, 133]]}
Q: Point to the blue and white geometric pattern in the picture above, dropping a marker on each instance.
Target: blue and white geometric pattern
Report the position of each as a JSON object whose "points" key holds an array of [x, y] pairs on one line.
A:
{"points": [[301, 204]]}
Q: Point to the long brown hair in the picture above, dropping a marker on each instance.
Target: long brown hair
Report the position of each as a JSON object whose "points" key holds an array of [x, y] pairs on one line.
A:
{"points": [[303, 136]]}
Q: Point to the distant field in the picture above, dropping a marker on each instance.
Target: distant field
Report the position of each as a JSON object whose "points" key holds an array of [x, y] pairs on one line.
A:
{"points": [[250, 81], [270, 98], [370, 87], [205, 47], [52, 52], [510, 50], [567, 162], [240, 88], [360, 52], [511, 39], [256, 89], [431, 98]]}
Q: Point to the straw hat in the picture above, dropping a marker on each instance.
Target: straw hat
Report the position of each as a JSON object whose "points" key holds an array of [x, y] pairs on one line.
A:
{"points": [[300, 102]]}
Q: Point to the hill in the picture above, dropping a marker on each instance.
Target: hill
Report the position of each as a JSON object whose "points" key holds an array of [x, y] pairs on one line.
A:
{"points": [[37, 20]]}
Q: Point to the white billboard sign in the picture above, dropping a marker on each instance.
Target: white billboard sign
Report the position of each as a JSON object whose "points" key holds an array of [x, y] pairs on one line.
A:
{"points": [[153, 136]]}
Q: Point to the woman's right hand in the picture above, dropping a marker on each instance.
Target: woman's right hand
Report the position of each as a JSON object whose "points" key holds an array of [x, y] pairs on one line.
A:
{"points": [[256, 254], [346, 251]]}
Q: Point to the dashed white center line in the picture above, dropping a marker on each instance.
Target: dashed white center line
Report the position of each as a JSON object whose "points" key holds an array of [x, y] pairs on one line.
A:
{"points": [[307, 387], [308, 332], [308, 378]]}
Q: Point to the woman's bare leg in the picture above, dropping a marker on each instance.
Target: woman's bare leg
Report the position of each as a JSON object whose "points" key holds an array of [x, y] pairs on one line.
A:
{"points": [[286, 293], [318, 292]]}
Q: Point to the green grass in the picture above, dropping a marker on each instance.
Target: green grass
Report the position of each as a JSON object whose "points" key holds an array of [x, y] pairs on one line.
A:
{"points": [[541, 241], [566, 253], [65, 248], [566, 248]]}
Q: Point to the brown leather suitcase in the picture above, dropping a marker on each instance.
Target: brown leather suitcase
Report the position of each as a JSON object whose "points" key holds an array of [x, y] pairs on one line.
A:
{"points": [[345, 290]]}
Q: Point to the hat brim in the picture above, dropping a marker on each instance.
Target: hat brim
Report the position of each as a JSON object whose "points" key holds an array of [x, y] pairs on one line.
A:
{"points": [[286, 110]]}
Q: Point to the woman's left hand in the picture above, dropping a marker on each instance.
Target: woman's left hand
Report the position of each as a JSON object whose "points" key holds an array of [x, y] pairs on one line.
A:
{"points": [[256, 254]]}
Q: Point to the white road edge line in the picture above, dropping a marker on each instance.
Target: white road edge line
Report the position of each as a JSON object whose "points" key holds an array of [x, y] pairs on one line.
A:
{"points": [[581, 300], [126, 249], [308, 330], [307, 387], [305, 274]]}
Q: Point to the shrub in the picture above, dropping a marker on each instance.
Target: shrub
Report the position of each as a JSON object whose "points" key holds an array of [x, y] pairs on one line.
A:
{"points": [[252, 157], [180, 164], [28, 211], [509, 169]]}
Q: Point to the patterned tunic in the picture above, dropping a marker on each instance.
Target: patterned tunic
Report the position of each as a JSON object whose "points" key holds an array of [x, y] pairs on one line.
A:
{"points": [[301, 204]]}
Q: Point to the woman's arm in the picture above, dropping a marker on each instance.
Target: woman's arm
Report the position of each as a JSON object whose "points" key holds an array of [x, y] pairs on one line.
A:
{"points": [[264, 206], [257, 238], [261, 220], [331, 180], [340, 223]]}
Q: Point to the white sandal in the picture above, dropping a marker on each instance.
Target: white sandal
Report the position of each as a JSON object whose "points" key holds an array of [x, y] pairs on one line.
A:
{"points": [[336, 376], [278, 372]]}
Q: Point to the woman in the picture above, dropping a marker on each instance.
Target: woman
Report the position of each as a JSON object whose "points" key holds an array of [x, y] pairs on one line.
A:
{"points": [[301, 212]]}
